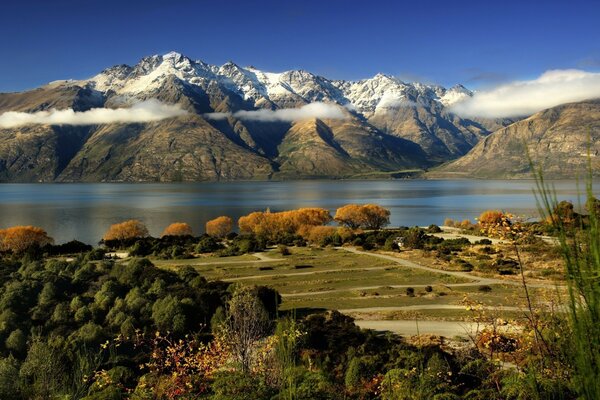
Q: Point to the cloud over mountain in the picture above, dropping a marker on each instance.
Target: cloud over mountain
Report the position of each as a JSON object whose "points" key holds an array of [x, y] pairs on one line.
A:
{"points": [[312, 110], [145, 111], [522, 98]]}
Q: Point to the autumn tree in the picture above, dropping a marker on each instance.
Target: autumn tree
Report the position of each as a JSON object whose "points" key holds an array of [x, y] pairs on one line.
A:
{"points": [[249, 223], [274, 224], [309, 216], [348, 215], [374, 216], [20, 238], [490, 218], [131, 229], [178, 229], [368, 216], [219, 227], [319, 234]]}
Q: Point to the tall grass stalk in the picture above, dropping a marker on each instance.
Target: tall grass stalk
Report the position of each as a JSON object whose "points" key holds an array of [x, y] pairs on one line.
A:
{"points": [[580, 248], [287, 334]]}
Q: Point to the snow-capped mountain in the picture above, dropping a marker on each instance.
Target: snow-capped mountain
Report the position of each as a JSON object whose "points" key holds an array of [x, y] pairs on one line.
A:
{"points": [[267, 89], [390, 125]]}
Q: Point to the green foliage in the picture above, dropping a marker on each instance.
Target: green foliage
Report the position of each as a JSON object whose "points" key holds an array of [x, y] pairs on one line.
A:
{"points": [[9, 378], [16, 342], [168, 314], [360, 370], [240, 386], [207, 244], [43, 371], [580, 247], [66, 310]]}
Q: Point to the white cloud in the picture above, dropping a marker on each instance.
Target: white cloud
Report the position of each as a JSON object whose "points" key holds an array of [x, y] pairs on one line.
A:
{"points": [[523, 98], [312, 110], [146, 111], [395, 103]]}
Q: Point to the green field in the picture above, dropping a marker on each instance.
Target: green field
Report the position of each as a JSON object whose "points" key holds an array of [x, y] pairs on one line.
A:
{"points": [[315, 278]]}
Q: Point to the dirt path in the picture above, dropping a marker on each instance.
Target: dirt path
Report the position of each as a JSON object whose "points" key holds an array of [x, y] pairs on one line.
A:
{"points": [[411, 327], [465, 275], [241, 278], [418, 307], [471, 238], [262, 258], [473, 280], [302, 294]]}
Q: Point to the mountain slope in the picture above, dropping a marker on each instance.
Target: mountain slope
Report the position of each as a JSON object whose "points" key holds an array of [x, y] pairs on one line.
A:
{"points": [[177, 149], [558, 140], [390, 125]]}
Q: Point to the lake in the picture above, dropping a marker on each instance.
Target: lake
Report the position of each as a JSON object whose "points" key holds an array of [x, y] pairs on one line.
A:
{"points": [[85, 211]]}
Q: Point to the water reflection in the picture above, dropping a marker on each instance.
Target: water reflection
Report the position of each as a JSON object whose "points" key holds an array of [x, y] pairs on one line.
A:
{"points": [[84, 211]]}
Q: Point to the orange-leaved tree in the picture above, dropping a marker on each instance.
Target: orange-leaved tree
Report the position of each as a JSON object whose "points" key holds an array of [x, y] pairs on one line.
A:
{"points": [[178, 229], [375, 217], [312, 216], [349, 215], [319, 234], [273, 224], [131, 229], [219, 227], [490, 218], [368, 216], [20, 238]]}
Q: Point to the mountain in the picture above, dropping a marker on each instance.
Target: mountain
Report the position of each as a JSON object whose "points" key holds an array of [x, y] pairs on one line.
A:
{"points": [[559, 140], [389, 126]]}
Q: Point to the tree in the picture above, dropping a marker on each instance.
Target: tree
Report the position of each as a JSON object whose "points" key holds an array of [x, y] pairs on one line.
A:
{"points": [[310, 216], [16, 341], [219, 227], [349, 215], [131, 229], [246, 323], [9, 378], [18, 239], [374, 216], [177, 229], [274, 226], [168, 314], [43, 371], [368, 216], [320, 235], [490, 218]]}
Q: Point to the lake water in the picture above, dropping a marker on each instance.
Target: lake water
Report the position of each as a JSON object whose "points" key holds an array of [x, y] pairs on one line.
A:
{"points": [[85, 211]]}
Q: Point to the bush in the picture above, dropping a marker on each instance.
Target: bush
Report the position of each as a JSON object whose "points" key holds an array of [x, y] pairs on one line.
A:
{"points": [[390, 244], [283, 250], [368, 246], [449, 222], [207, 244], [72, 247], [95, 254], [484, 288], [414, 238], [428, 289], [237, 385], [433, 229], [410, 291]]}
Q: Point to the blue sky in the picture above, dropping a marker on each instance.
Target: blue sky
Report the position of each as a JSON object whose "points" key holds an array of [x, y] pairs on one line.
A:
{"points": [[477, 43]]}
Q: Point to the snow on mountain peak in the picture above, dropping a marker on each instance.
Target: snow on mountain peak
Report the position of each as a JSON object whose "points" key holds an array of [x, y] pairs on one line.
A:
{"points": [[381, 93]]}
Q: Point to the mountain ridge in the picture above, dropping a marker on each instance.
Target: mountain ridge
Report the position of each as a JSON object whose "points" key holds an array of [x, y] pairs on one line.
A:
{"points": [[388, 125]]}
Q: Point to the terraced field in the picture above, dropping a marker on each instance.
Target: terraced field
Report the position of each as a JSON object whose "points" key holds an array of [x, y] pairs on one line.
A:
{"points": [[368, 285]]}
